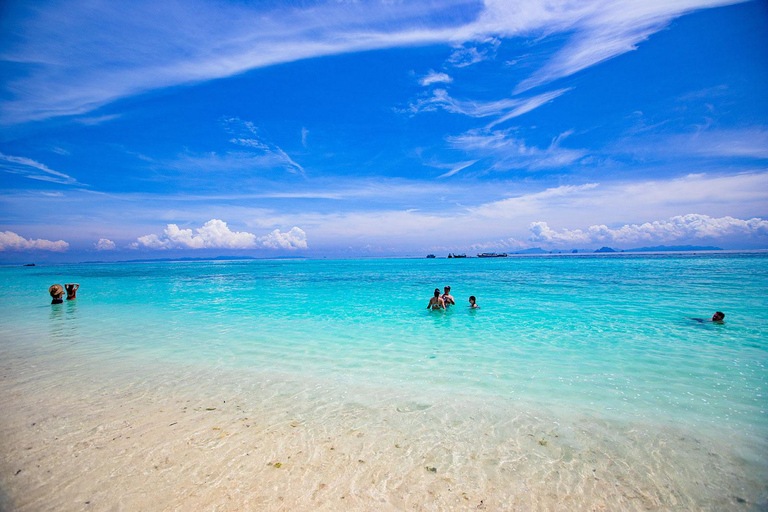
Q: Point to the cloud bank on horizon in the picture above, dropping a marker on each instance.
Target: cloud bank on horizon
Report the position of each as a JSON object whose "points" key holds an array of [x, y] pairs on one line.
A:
{"points": [[215, 234], [386, 128]]}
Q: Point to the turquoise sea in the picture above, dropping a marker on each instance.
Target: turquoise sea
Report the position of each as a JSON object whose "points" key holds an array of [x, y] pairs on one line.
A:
{"points": [[601, 339]]}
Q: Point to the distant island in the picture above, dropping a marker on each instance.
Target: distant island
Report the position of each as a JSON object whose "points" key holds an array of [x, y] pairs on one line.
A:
{"points": [[607, 250], [675, 248]]}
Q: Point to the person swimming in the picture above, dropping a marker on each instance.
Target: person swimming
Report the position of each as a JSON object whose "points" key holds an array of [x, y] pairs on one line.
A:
{"points": [[716, 318], [473, 302], [436, 302], [56, 291], [71, 290], [447, 297]]}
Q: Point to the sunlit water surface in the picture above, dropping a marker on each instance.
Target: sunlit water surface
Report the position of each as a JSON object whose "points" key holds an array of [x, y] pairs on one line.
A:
{"points": [[607, 338]]}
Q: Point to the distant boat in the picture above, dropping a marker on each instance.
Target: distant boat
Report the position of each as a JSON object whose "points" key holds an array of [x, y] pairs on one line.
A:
{"points": [[430, 255], [492, 255], [451, 255], [29, 264]]}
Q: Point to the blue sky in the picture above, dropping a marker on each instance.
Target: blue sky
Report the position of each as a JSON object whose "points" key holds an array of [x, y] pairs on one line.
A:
{"points": [[380, 128]]}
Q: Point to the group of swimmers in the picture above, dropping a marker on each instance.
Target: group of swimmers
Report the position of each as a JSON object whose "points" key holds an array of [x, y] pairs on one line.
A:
{"points": [[446, 299], [57, 292]]}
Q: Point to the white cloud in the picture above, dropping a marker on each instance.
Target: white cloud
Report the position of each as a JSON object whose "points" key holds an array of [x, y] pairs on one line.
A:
{"points": [[215, 234], [434, 77], [304, 133], [456, 168], [681, 227], [719, 195], [749, 142], [468, 55], [506, 108], [503, 244], [295, 238], [104, 244], [246, 134], [10, 241], [509, 152], [96, 120], [76, 57], [602, 30], [34, 170]]}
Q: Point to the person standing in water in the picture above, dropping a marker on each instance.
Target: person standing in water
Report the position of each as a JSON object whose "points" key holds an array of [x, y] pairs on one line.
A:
{"points": [[436, 302], [71, 290], [447, 297], [473, 303], [56, 292]]}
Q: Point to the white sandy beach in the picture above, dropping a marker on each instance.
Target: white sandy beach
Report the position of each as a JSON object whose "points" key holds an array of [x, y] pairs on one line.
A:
{"points": [[77, 437]]}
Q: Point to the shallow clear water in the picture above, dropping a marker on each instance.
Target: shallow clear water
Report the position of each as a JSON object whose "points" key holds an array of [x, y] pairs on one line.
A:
{"points": [[607, 337]]}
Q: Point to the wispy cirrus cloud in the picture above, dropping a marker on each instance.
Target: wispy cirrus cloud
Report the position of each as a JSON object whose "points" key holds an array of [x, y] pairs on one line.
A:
{"points": [[255, 154], [472, 54], [509, 152], [10, 241], [434, 77], [506, 108], [603, 30], [245, 134], [75, 57], [456, 168], [33, 170]]}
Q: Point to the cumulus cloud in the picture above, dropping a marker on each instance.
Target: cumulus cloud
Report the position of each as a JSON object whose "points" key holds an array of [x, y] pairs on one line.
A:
{"points": [[34, 170], [434, 77], [215, 234], [681, 227], [104, 244], [295, 238], [10, 241]]}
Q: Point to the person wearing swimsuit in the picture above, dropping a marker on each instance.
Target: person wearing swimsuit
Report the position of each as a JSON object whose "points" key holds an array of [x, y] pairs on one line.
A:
{"points": [[447, 297], [436, 302], [71, 290]]}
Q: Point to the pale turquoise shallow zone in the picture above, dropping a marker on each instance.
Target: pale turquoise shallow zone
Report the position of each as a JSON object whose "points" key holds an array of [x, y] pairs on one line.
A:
{"points": [[607, 336]]}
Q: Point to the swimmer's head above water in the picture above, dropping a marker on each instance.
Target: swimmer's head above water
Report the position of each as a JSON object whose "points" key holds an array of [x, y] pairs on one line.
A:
{"points": [[718, 316]]}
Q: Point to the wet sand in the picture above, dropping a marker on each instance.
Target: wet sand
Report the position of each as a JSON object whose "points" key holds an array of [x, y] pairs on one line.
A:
{"points": [[77, 435]]}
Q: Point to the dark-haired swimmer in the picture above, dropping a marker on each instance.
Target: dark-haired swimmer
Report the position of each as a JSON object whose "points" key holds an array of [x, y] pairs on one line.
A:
{"points": [[436, 302], [716, 318], [447, 297], [71, 290], [473, 303]]}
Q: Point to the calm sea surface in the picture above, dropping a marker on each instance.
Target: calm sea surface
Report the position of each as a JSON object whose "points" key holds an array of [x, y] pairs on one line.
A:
{"points": [[607, 337]]}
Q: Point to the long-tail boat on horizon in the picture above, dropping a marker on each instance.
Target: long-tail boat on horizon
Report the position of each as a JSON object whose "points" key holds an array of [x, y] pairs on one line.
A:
{"points": [[492, 255]]}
